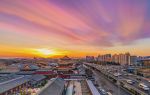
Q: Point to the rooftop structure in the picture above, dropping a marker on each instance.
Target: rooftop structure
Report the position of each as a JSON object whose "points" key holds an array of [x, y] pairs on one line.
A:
{"points": [[54, 87], [65, 58], [37, 78], [8, 77], [28, 67], [12, 82], [92, 88]]}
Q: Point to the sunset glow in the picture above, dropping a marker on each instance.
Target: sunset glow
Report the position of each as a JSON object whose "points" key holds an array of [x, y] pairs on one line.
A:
{"points": [[44, 52], [74, 27]]}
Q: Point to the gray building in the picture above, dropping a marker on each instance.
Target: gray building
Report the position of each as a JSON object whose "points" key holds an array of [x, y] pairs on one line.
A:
{"points": [[54, 87], [12, 84]]}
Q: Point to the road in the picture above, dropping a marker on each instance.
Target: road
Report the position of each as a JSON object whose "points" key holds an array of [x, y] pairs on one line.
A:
{"points": [[134, 78], [131, 77], [112, 69], [108, 85]]}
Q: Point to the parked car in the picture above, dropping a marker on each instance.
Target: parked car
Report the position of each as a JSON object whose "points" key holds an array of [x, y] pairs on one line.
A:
{"points": [[108, 93], [143, 86], [130, 81], [102, 91], [117, 74]]}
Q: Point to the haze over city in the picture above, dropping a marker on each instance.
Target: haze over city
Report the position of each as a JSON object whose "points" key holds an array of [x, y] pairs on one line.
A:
{"points": [[54, 28]]}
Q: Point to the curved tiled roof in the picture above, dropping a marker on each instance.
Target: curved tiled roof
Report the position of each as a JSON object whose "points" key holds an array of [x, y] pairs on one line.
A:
{"points": [[9, 84]]}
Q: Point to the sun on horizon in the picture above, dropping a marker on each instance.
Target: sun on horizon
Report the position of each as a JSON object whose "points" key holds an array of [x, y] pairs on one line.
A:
{"points": [[43, 52]]}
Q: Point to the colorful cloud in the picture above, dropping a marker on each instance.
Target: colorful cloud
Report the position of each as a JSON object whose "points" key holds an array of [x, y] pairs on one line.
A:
{"points": [[73, 25]]}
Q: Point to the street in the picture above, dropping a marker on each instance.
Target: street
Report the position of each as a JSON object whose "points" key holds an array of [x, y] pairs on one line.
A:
{"points": [[108, 85]]}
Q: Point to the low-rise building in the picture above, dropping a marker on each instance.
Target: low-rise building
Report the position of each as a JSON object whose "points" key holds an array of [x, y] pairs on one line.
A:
{"points": [[133, 60], [37, 80], [53, 87], [145, 62], [12, 84]]}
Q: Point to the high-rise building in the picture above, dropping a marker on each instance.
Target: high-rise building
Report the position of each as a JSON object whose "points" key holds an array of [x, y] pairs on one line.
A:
{"points": [[115, 58], [122, 58], [90, 58], [104, 58]]}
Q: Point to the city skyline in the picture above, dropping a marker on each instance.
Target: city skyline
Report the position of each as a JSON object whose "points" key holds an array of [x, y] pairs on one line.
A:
{"points": [[54, 28]]}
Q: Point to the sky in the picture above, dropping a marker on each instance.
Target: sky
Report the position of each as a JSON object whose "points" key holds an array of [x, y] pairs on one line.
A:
{"points": [[47, 28]]}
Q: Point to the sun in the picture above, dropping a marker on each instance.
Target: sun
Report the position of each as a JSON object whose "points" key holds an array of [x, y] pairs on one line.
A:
{"points": [[45, 52]]}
